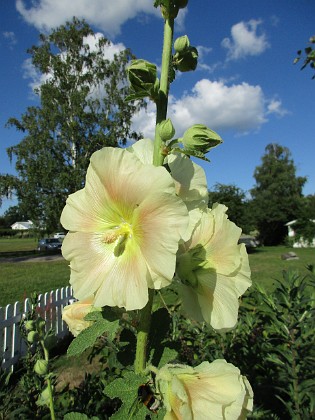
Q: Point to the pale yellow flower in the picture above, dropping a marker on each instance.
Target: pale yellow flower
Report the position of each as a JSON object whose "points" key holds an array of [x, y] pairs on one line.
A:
{"points": [[214, 270], [189, 178], [124, 228], [213, 391], [74, 315]]}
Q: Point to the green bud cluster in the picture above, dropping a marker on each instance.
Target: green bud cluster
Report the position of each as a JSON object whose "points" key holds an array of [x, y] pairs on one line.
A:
{"points": [[143, 80], [200, 138], [185, 57]]}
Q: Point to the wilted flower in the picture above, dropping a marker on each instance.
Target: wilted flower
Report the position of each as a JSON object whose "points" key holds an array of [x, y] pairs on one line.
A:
{"points": [[214, 390], [124, 226], [74, 315], [214, 270]]}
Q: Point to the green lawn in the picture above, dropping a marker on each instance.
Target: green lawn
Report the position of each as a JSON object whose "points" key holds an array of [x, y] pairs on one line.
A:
{"points": [[266, 263], [17, 245], [20, 279]]}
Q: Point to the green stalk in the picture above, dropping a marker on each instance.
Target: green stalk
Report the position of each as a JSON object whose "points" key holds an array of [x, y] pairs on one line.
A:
{"points": [[161, 112], [143, 334], [161, 106], [49, 386]]}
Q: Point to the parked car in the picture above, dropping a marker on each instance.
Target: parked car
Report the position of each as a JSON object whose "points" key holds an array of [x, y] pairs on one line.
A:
{"points": [[49, 244], [249, 241], [60, 235]]}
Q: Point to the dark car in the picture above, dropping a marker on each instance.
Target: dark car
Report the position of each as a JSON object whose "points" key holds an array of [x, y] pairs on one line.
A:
{"points": [[249, 241], [49, 244]]}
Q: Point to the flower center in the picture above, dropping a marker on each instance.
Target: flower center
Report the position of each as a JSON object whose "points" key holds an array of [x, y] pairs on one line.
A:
{"points": [[120, 235]]}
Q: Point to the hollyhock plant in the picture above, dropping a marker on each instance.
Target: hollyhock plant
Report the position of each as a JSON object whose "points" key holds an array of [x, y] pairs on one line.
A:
{"points": [[214, 390], [124, 228], [189, 178], [74, 315], [214, 270]]}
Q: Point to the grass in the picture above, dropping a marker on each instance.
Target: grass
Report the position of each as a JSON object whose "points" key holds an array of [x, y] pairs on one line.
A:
{"points": [[266, 263], [17, 246], [19, 279]]}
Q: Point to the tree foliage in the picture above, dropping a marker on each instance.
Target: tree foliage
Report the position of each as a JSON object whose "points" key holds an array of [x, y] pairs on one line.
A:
{"points": [[238, 206], [304, 226], [309, 59], [277, 195], [82, 109]]}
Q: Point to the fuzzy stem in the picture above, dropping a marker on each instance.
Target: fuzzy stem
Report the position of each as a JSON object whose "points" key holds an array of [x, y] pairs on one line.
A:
{"points": [[162, 102], [143, 334], [49, 386], [161, 112]]}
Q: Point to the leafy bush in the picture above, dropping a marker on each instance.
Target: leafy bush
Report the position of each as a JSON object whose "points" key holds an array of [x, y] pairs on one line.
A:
{"points": [[272, 345]]}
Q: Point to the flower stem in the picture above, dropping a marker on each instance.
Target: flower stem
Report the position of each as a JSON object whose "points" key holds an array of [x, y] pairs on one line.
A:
{"points": [[143, 334], [161, 112], [162, 102], [49, 386]]}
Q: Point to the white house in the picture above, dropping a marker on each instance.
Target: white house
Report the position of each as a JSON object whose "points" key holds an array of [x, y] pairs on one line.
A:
{"points": [[300, 243], [23, 225]]}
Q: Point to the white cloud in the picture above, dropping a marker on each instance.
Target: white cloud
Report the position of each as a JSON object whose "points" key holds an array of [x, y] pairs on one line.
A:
{"points": [[144, 121], [10, 37], [107, 15], [245, 41], [239, 107], [180, 20], [275, 107], [202, 65]]}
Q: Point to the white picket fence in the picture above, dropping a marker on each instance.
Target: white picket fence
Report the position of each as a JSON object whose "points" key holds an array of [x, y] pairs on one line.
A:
{"points": [[50, 304]]}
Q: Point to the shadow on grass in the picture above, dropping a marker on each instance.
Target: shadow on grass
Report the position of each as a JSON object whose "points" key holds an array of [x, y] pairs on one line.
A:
{"points": [[24, 255]]}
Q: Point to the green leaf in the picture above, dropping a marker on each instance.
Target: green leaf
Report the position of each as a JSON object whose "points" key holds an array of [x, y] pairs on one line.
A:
{"points": [[194, 153], [168, 356], [88, 336], [44, 398], [78, 416], [126, 389]]}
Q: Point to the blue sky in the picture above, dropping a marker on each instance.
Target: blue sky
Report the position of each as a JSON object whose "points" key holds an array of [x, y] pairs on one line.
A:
{"points": [[245, 87]]}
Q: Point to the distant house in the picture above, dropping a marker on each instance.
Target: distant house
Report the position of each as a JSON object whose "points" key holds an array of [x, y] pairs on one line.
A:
{"points": [[298, 243], [23, 225]]}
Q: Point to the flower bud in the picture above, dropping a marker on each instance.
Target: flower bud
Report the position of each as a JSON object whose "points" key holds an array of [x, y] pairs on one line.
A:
{"points": [[181, 4], [186, 60], [181, 44], [166, 130], [200, 138], [50, 341], [40, 325], [32, 336], [74, 315], [41, 367], [30, 325], [142, 76]]}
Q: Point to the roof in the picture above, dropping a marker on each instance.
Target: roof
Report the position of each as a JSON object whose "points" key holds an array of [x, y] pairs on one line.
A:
{"points": [[25, 225]]}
